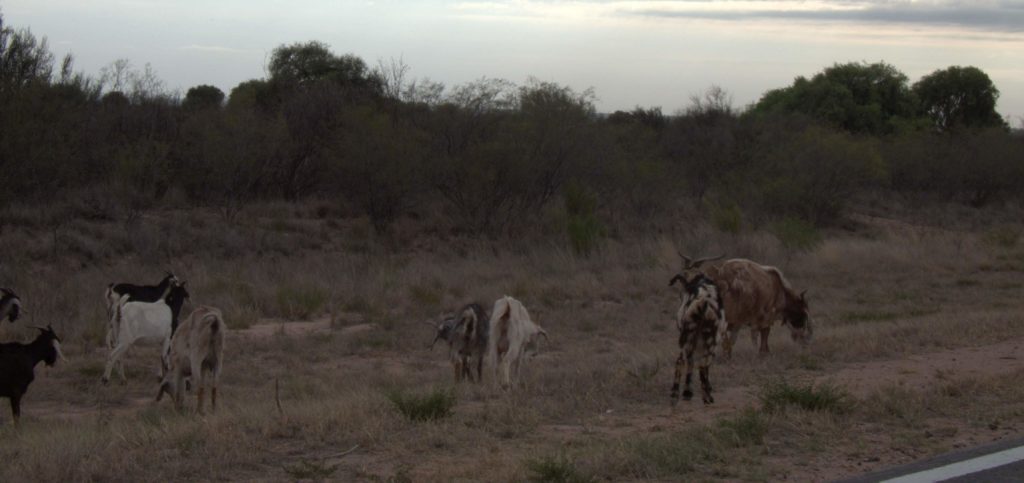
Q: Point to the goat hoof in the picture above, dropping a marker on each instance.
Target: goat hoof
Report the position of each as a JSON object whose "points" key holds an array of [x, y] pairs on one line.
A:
{"points": [[104, 381], [687, 395], [708, 399]]}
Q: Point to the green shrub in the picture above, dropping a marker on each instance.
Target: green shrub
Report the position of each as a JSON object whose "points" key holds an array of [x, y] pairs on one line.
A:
{"points": [[1005, 236], [584, 229], [777, 396], [436, 404], [310, 470], [300, 302], [747, 429], [556, 469], [796, 234], [726, 217]]}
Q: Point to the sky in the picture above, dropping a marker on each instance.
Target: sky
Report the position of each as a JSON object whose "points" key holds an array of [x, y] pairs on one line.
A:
{"points": [[655, 53]]}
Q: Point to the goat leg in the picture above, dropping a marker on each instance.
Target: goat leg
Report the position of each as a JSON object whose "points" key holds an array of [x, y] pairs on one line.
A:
{"points": [[676, 377], [199, 396], [705, 385]]}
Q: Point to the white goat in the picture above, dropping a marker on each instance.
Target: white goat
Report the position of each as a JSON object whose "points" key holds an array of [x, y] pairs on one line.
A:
{"points": [[197, 350], [512, 332], [148, 322]]}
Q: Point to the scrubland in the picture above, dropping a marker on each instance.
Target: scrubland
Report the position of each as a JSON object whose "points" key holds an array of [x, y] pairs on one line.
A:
{"points": [[917, 350]]}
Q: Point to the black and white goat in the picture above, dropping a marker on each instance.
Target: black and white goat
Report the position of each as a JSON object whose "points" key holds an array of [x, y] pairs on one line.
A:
{"points": [[135, 293], [197, 351], [466, 333], [10, 305], [701, 323], [18, 363], [151, 322]]}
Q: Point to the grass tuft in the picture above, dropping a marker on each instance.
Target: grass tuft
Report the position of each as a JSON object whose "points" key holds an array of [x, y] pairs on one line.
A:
{"points": [[434, 405], [556, 469], [310, 470], [747, 429], [779, 395]]}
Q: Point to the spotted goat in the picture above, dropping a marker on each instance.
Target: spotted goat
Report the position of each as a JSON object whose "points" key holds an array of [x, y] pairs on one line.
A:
{"points": [[466, 333], [701, 323], [756, 296]]}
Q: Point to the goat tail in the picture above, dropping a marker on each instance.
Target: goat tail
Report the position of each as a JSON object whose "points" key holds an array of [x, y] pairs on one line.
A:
{"points": [[498, 332], [217, 329]]}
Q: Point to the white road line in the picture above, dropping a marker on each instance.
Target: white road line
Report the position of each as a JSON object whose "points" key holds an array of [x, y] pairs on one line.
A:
{"points": [[966, 467]]}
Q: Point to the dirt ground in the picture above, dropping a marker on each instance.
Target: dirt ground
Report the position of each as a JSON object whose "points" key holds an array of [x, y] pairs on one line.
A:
{"points": [[920, 332]]}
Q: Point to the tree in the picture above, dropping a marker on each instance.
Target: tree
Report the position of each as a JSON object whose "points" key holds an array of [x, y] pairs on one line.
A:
{"points": [[23, 59], [310, 62], [958, 97], [856, 97], [203, 97]]}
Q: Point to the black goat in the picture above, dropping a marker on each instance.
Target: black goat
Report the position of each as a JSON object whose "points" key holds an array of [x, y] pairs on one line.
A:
{"points": [[18, 362], [139, 293], [10, 305]]}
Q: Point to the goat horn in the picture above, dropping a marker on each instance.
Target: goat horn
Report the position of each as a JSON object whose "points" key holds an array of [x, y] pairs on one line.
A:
{"points": [[687, 261], [699, 261]]}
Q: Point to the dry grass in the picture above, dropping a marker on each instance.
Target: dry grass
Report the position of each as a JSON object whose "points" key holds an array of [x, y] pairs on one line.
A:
{"points": [[594, 403]]}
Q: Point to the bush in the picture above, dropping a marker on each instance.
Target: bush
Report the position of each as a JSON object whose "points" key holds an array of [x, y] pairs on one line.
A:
{"points": [[584, 229], [556, 469], [301, 302], [436, 404], [796, 234], [726, 217], [777, 396], [747, 429]]}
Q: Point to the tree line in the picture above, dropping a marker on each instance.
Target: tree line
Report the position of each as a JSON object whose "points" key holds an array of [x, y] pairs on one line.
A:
{"points": [[494, 155]]}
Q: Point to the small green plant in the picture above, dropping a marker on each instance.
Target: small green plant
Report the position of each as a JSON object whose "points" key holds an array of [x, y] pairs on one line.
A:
{"points": [[556, 469], [300, 302], [310, 470], [777, 396], [436, 404], [583, 228], [726, 217], [1004, 236], [644, 372], [796, 234], [429, 294], [808, 362], [747, 429]]}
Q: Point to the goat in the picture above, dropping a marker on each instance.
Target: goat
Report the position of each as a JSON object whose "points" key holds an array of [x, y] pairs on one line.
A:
{"points": [[18, 362], [135, 293], [466, 334], [197, 350], [10, 305], [755, 296], [512, 332], [145, 322], [701, 323]]}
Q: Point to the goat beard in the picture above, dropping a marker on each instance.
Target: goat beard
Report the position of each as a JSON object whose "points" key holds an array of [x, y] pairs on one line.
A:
{"points": [[60, 355]]}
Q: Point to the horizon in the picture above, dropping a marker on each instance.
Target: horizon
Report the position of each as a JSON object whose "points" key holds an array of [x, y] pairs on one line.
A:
{"points": [[632, 53]]}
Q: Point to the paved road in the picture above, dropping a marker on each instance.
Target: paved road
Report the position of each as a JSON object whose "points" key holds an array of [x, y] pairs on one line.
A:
{"points": [[994, 463]]}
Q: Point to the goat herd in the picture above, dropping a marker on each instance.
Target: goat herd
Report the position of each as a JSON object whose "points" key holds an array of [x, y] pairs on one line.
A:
{"points": [[717, 301]]}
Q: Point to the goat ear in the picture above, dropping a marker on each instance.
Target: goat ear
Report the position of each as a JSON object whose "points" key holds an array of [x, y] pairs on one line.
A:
{"points": [[677, 278]]}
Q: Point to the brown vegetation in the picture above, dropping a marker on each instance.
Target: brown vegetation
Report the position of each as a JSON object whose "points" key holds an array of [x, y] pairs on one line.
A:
{"points": [[893, 301]]}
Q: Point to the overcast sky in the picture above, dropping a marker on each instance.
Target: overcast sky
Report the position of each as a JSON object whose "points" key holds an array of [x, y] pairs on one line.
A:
{"points": [[646, 53]]}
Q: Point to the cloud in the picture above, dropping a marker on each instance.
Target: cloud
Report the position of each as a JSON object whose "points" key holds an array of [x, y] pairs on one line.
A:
{"points": [[213, 49], [1005, 16]]}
